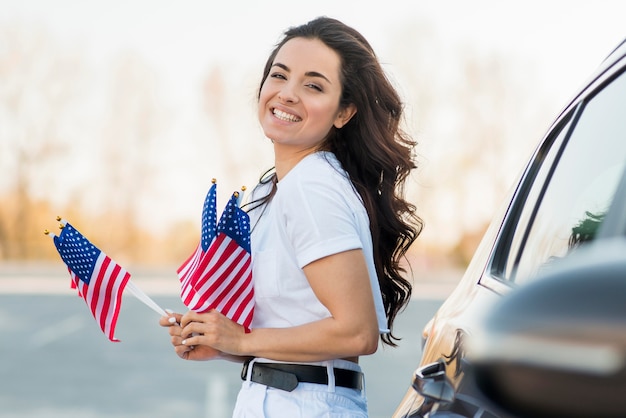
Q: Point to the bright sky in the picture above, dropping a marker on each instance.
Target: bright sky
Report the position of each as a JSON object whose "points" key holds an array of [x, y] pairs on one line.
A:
{"points": [[570, 31], [183, 40]]}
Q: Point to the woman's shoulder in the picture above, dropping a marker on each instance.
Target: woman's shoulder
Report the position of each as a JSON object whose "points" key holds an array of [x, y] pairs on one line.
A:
{"points": [[318, 168]]}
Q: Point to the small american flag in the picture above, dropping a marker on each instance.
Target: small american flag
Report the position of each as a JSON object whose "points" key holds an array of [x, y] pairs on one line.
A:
{"points": [[222, 280], [99, 280], [187, 271]]}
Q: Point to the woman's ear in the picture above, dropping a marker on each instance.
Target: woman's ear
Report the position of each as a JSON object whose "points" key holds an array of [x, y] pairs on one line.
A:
{"points": [[345, 115]]}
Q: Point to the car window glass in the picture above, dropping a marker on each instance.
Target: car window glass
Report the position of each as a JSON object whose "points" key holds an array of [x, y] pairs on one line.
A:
{"points": [[583, 184], [545, 160]]}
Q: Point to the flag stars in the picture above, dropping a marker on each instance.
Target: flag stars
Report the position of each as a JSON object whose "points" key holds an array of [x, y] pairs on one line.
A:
{"points": [[235, 223], [77, 252], [209, 218], [92, 269]]}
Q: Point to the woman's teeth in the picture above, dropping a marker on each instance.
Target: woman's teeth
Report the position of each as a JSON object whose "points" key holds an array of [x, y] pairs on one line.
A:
{"points": [[285, 116]]}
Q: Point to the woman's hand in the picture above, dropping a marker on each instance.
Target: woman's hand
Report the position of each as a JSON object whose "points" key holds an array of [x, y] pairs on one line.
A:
{"points": [[186, 351], [214, 330]]}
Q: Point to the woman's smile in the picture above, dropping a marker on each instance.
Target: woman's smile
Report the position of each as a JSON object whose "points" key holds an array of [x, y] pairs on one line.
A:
{"points": [[286, 116]]}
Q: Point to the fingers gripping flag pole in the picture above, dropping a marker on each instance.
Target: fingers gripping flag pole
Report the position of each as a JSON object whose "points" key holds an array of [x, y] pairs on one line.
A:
{"points": [[222, 277], [99, 280]]}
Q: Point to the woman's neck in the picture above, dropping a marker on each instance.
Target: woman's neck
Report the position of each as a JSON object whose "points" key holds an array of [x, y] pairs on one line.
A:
{"points": [[286, 158]]}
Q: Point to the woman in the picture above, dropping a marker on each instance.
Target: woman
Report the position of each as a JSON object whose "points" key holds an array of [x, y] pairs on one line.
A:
{"points": [[330, 227]]}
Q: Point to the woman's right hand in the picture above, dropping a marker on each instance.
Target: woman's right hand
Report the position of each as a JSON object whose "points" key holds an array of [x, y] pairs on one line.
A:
{"points": [[186, 352]]}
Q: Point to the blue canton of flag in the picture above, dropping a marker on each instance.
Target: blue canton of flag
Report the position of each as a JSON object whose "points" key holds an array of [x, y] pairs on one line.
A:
{"points": [[77, 252], [209, 218], [235, 223], [186, 272], [99, 280]]}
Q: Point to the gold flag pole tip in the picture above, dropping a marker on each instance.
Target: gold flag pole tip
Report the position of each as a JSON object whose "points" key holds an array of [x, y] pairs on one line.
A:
{"points": [[59, 219], [213, 180], [46, 232]]}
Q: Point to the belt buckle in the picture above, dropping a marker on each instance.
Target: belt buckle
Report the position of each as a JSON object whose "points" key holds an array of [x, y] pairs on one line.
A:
{"points": [[244, 369]]}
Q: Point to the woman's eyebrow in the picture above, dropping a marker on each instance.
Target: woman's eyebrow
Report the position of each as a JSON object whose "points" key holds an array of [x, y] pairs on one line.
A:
{"points": [[316, 74], [308, 73]]}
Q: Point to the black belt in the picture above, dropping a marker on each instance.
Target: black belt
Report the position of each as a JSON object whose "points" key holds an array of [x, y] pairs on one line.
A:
{"points": [[287, 376]]}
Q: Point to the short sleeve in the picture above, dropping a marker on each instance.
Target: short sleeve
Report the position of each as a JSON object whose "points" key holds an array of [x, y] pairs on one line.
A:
{"points": [[320, 215]]}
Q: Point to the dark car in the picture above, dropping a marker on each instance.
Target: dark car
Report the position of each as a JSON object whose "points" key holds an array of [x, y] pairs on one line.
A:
{"points": [[569, 201]]}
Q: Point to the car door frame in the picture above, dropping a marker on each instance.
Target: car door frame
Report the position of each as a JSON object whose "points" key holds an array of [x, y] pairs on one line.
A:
{"points": [[492, 277]]}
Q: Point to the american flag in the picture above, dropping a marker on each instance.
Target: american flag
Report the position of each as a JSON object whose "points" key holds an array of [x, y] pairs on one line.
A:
{"points": [[222, 279], [99, 280], [187, 272]]}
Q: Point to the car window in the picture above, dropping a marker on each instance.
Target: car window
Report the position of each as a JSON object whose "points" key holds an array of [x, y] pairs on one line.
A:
{"points": [[519, 219], [582, 185]]}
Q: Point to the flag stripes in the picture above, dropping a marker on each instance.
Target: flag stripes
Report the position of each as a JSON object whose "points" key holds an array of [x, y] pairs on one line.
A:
{"points": [[218, 275], [104, 294], [99, 280]]}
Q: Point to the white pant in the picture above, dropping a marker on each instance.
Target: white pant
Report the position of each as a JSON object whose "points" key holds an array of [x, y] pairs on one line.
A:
{"points": [[308, 400]]}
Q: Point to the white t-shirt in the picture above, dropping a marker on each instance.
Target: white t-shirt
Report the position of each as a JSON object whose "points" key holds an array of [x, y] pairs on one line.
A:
{"points": [[315, 213]]}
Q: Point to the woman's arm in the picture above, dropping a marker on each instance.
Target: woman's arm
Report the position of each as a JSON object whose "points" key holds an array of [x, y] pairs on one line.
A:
{"points": [[341, 283]]}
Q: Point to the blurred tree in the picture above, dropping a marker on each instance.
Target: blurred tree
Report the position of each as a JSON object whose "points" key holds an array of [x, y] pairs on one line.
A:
{"points": [[472, 112], [476, 121], [235, 138], [132, 123], [38, 84], [217, 109]]}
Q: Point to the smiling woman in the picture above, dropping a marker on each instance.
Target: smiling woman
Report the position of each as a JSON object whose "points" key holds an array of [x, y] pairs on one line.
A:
{"points": [[330, 226], [299, 100]]}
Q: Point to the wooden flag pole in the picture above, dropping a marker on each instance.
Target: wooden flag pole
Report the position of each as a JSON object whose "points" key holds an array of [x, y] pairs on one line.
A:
{"points": [[139, 294]]}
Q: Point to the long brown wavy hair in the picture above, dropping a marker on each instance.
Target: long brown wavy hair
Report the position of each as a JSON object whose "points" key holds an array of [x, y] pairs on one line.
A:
{"points": [[373, 149]]}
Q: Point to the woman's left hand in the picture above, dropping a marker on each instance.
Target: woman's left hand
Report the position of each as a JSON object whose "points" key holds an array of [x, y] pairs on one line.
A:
{"points": [[186, 351], [214, 330]]}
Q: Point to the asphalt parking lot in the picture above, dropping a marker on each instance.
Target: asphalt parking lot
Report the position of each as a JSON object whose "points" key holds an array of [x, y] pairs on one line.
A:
{"points": [[57, 363]]}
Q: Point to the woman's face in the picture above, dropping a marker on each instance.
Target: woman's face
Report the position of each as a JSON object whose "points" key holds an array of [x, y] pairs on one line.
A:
{"points": [[299, 99]]}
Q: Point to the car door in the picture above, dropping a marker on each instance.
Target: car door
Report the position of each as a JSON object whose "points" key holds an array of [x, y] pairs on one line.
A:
{"points": [[483, 284], [571, 193]]}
